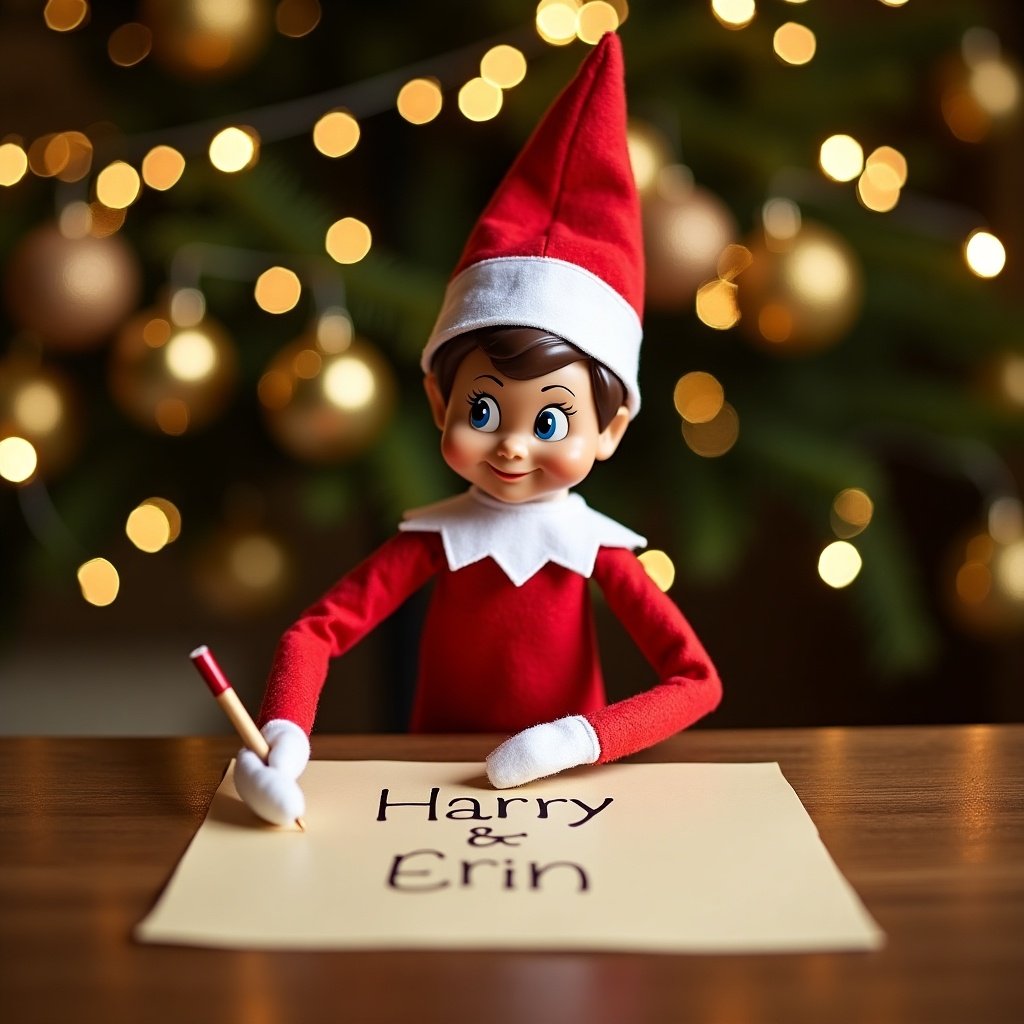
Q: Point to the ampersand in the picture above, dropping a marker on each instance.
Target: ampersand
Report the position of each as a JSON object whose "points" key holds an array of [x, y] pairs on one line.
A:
{"points": [[481, 835]]}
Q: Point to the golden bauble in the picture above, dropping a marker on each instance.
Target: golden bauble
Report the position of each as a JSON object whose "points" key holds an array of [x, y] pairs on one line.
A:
{"points": [[207, 38], [38, 405], [325, 406], [800, 294], [987, 592], [242, 571], [71, 292], [685, 230], [172, 379]]}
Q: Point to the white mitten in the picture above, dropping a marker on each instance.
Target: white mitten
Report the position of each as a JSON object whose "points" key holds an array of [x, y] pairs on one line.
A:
{"points": [[543, 750], [270, 789]]}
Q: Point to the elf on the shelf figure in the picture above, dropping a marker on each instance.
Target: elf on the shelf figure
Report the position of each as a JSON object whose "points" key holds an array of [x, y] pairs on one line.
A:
{"points": [[531, 375]]}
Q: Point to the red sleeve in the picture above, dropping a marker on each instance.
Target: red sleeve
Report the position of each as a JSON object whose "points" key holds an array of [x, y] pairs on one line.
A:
{"points": [[688, 686], [342, 617]]}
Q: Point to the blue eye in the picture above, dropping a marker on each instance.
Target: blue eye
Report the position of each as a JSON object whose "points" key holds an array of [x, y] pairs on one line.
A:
{"points": [[551, 424], [484, 413]]}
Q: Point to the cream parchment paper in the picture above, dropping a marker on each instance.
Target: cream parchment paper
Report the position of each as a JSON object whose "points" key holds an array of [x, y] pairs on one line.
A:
{"points": [[400, 854]]}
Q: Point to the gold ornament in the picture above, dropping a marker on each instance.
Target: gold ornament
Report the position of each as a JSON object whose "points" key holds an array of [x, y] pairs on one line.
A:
{"points": [[37, 406], [207, 38], [685, 230], [172, 379], [71, 292], [326, 399], [799, 294], [242, 571]]}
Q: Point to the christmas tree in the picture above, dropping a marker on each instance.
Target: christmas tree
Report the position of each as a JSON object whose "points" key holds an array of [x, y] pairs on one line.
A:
{"points": [[226, 230]]}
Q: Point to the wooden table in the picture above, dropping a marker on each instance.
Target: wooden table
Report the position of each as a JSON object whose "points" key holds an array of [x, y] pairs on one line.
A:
{"points": [[927, 823]]}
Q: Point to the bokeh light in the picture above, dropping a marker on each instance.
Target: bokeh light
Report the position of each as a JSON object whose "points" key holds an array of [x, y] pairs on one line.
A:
{"points": [[479, 100], [781, 219], [794, 44], [148, 528], [18, 459], [278, 290], [851, 512], [65, 15], [734, 14], [297, 18], [129, 44], [649, 152], [503, 66], [659, 567], [715, 437], [717, 306], [984, 253], [841, 157], [234, 149], [420, 100], [839, 564], [336, 133], [118, 185], [698, 397], [349, 383], [878, 187], [99, 582], [594, 20], [13, 163], [190, 355], [556, 21], [162, 168], [348, 240]]}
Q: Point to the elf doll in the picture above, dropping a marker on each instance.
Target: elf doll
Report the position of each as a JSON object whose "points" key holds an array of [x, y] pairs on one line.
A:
{"points": [[531, 376]]}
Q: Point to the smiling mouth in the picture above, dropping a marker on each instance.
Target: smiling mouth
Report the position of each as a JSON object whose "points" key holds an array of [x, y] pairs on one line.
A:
{"points": [[507, 477]]}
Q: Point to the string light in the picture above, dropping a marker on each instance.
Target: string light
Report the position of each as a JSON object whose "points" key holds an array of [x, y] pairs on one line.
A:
{"points": [[698, 397], [839, 564], [336, 133], [420, 100], [18, 459], [297, 18], [984, 254], [118, 185], [13, 163], [129, 44], [234, 149], [162, 168], [659, 567], [65, 15], [503, 66], [556, 21], [348, 240], [594, 20], [794, 44], [841, 157], [479, 100], [278, 290], [734, 14], [99, 582], [716, 305]]}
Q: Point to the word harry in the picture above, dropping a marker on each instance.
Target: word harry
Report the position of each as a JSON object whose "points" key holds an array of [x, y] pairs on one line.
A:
{"points": [[428, 870], [469, 808]]}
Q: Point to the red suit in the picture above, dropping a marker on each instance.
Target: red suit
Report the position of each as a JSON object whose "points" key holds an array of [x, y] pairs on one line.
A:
{"points": [[497, 657]]}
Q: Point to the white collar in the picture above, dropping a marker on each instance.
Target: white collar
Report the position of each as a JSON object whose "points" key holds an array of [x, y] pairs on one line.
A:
{"points": [[521, 538]]}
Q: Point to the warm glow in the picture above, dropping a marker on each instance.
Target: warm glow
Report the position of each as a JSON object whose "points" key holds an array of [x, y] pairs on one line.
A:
{"points": [[851, 512], [162, 167], [148, 528], [894, 3], [256, 560], [594, 20], [13, 163], [782, 219], [171, 514], [38, 407], [118, 185], [818, 272], [984, 254], [839, 564], [996, 87], [717, 306], [234, 149], [503, 66], [105, 221], [479, 100], [334, 331], [841, 157], [336, 133], [734, 13], [349, 384], [172, 416], [129, 44], [419, 101], [68, 156], [698, 397], [1006, 519], [348, 240], [278, 290], [659, 567], [648, 153], [297, 18], [878, 188], [556, 21], [99, 582], [187, 308], [1008, 570], [735, 259], [794, 44], [891, 158], [716, 437], [65, 15], [191, 356], [75, 220], [18, 459]]}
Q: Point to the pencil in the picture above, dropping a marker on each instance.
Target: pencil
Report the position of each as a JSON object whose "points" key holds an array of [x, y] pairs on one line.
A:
{"points": [[223, 691]]}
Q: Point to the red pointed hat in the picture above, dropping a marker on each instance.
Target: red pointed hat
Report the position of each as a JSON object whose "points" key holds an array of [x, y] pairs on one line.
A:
{"points": [[559, 246]]}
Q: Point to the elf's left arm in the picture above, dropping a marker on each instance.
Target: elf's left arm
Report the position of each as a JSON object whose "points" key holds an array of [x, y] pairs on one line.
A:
{"points": [[688, 686]]}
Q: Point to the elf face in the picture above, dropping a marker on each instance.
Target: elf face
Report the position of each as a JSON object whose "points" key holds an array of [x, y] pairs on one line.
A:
{"points": [[522, 440]]}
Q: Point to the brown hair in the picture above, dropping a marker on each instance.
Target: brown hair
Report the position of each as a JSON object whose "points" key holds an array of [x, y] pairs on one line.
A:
{"points": [[523, 353]]}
